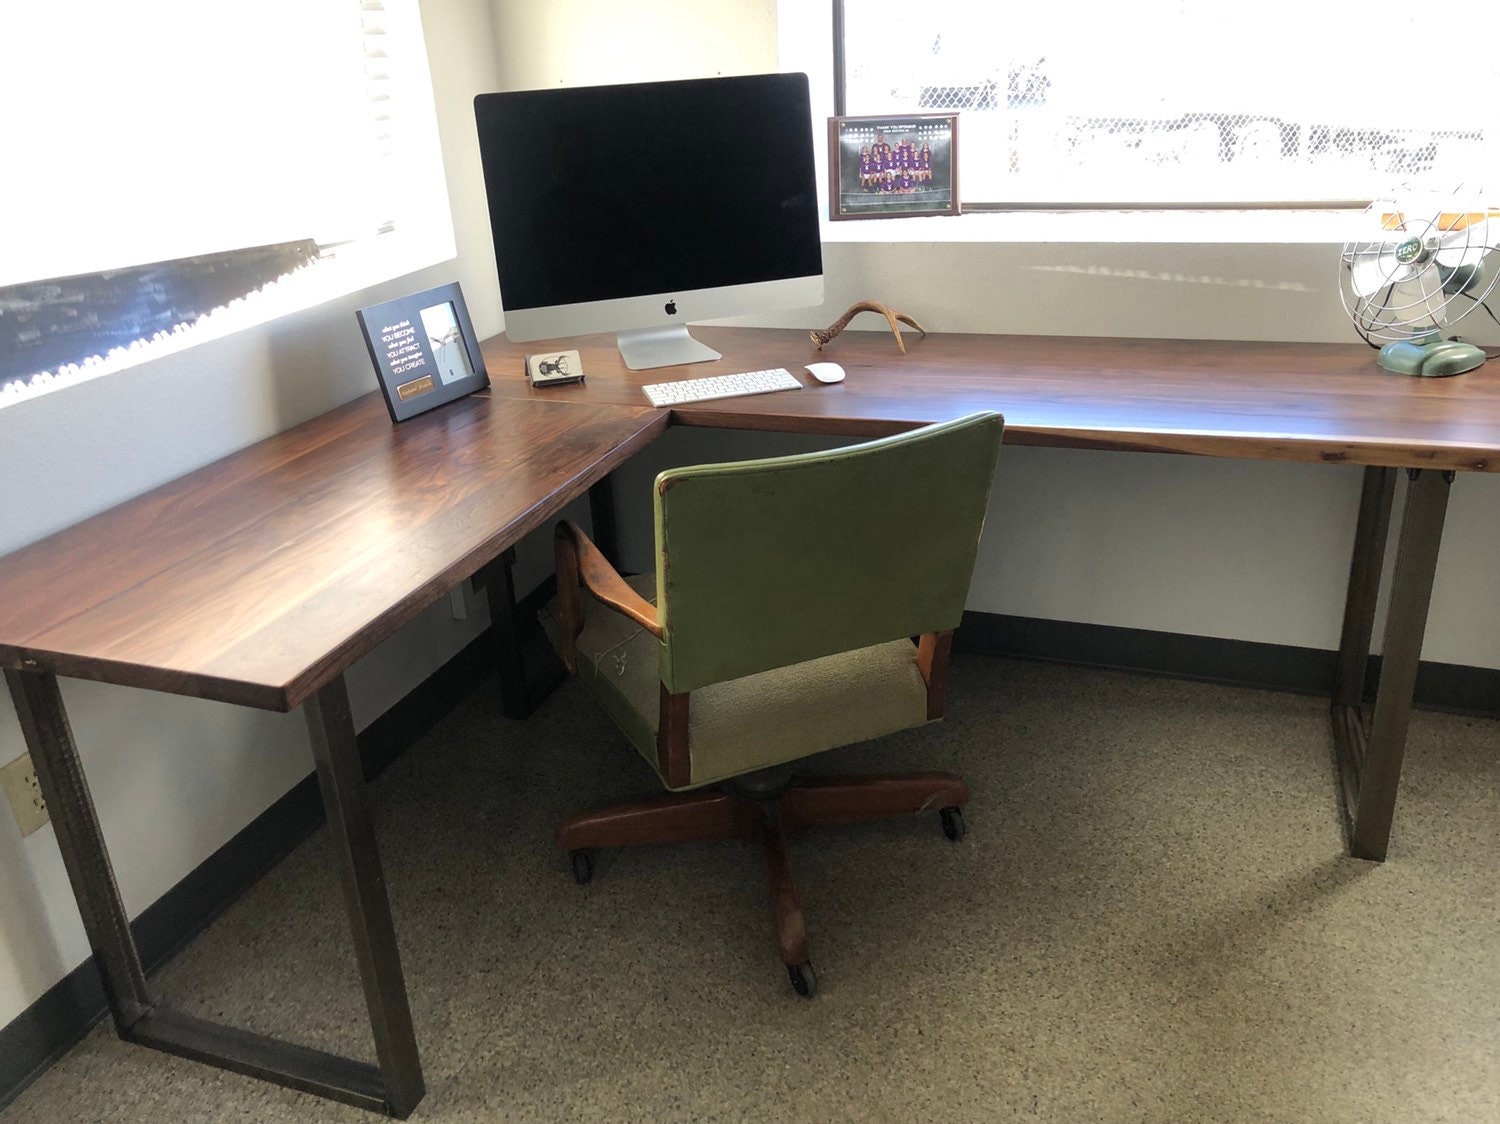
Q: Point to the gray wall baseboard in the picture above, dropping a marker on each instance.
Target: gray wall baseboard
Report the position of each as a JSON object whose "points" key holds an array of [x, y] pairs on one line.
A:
{"points": [[1240, 663]]}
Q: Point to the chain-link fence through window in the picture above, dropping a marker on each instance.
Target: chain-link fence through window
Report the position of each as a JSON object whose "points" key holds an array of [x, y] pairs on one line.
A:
{"points": [[1184, 101]]}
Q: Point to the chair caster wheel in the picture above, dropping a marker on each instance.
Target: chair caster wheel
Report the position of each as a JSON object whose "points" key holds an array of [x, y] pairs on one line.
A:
{"points": [[583, 865], [953, 823], [804, 979]]}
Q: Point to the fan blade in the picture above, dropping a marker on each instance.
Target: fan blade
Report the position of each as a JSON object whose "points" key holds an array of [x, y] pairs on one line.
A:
{"points": [[1401, 314], [1466, 246], [1434, 299], [1413, 305], [1372, 271]]}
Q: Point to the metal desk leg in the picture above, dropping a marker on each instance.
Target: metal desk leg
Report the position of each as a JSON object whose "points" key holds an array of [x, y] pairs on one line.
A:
{"points": [[529, 672], [1370, 535], [395, 1086], [342, 780], [508, 635], [602, 526], [49, 738], [1369, 760]]}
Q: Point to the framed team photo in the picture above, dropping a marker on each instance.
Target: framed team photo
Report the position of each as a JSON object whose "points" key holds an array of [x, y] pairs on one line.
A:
{"points": [[885, 167]]}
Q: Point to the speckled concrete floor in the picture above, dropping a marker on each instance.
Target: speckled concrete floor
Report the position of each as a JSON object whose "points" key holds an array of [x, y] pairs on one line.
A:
{"points": [[1151, 919]]}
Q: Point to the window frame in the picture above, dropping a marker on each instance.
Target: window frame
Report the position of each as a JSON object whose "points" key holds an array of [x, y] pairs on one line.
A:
{"points": [[840, 109]]}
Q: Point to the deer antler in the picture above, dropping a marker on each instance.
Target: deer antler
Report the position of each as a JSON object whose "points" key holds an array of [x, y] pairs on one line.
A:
{"points": [[890, 314]]}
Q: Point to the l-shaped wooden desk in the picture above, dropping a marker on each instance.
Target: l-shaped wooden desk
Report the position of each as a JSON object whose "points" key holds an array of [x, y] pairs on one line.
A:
{"points": [[260, 579]]}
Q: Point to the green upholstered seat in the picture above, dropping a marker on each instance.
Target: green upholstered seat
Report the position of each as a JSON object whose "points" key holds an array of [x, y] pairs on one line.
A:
{"points": [[780, 622]]}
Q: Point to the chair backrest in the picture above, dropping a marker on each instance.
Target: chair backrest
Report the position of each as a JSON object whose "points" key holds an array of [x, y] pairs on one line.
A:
{"points": [[765, 563]]}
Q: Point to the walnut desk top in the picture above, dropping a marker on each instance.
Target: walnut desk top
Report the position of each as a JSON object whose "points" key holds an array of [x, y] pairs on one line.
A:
{"points": [[261, 577], [1258, 401]]}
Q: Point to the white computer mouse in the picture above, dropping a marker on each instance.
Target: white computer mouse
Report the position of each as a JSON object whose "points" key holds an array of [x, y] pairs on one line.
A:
{"points": [[826, 372]]}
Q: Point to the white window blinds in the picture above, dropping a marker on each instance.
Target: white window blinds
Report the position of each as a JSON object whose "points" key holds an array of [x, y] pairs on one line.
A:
{"points": [[145, 132], [1186, 102]]}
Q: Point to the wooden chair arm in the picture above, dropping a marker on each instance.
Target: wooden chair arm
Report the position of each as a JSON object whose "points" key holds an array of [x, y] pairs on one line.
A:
{"points": [[580, 563]]}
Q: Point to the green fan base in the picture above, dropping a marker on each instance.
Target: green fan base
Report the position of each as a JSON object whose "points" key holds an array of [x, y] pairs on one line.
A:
{"points": [[1430, 356]]}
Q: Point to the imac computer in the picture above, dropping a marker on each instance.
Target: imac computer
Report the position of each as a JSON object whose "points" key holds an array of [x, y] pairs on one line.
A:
{"points": [[641, 208]]}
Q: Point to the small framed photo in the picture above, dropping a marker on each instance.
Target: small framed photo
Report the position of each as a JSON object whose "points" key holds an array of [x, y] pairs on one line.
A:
{"points": [[424, 350], [886, 167]]}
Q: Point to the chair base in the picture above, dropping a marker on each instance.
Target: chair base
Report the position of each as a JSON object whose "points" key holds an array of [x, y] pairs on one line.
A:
{"points": [[710, 815]]}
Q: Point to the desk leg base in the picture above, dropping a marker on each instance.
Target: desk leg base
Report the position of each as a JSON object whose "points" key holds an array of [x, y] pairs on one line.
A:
{"points": [[325, 1075], [394, 1086]]}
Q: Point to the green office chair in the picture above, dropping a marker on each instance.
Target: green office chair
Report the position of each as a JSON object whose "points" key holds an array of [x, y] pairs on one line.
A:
{"points": [[779, 624]]}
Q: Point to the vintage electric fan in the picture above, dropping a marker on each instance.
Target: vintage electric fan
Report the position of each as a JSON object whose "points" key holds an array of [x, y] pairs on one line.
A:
{"points": [[1413, 273]]}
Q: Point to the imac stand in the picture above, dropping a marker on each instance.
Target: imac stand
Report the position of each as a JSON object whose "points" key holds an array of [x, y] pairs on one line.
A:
{"points": [[645, 348]]}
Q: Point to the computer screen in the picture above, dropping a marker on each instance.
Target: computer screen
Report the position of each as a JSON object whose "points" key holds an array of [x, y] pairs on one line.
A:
{"points": [[643, 207]]}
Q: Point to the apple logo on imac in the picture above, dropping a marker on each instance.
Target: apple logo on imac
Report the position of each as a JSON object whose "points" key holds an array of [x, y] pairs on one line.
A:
{"points": [[671, 308]]}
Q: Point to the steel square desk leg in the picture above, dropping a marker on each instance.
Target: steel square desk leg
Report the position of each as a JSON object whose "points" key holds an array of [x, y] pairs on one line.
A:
{"points": [[341, 778], [1370, 534], [395, 1086], [524, 682], [1369, 759], [49, 738], [602, 527]]}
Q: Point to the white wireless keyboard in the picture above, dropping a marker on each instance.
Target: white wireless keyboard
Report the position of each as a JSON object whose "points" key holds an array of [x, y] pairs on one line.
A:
{"points": [[720, 386]]}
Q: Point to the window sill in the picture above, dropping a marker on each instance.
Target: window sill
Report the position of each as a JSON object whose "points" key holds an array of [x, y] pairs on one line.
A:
{"points": [[1249, 227]]}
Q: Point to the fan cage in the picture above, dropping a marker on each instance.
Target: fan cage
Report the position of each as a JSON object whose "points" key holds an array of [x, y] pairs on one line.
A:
{"points": [[1431, 268]]}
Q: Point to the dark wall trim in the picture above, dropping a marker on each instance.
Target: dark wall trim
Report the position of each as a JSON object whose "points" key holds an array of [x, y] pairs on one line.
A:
{"points": [[1240, 663], [840, 60], [60, 1018]]}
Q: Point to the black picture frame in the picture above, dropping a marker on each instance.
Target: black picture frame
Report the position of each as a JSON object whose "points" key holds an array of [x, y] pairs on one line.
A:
{"points": [[424, 350], [857, 185]]}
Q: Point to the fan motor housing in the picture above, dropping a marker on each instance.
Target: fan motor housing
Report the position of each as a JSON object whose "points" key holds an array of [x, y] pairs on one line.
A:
{"points": [[1414, 251]]}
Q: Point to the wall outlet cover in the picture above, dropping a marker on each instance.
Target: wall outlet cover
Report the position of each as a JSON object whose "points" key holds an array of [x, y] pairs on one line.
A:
{"points": [[25, 794]]}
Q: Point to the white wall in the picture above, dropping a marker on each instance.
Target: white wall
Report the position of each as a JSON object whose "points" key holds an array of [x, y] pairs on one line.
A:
{"points": [[598, 42], [175, 778], [1214, 548]]}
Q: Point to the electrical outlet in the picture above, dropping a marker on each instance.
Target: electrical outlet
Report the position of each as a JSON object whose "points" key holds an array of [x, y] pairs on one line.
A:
{"points": [[20, 784]]}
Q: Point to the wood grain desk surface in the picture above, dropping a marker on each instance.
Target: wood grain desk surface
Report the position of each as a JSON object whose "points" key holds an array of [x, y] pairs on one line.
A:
{"points": [[1259, 401], [260, 578]]}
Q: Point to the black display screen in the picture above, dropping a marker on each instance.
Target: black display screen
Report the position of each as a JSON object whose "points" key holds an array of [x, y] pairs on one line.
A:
{"points": [[602, 192]]}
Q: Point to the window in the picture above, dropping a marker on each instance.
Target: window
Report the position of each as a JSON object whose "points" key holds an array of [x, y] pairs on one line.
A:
{"points": [[1178, 103], [201, 167]]}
